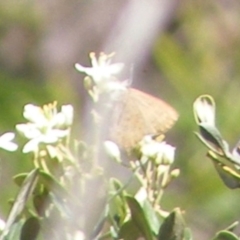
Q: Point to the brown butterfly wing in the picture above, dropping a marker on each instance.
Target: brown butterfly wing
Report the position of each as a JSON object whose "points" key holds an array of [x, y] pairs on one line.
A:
{"points": [[157, 114], [138, 114]]}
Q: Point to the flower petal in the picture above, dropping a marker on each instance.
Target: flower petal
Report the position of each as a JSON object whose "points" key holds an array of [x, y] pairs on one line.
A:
{"points": [[9, 136], [5, 142], [34, 114], [29, 130], [31, 146], [9, 146]]}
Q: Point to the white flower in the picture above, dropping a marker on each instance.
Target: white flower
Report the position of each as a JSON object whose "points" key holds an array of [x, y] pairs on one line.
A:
{"points": [[112, 150], [168, 153], [102, 77], [102, 69], [5, 142], [149, 147], [63, 118], [204, 110], [161, 152], [45, 125], [48, 115]]}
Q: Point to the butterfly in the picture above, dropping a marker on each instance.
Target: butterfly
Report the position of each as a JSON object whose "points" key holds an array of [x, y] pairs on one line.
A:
{"points": [[136, 114]]}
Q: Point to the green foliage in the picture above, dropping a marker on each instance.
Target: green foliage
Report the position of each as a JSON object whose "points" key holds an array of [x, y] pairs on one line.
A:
{"points": [[173, 228], [69, 195], [225, 162]]}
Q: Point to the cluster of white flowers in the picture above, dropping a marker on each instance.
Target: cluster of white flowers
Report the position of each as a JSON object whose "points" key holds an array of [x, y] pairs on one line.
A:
{"points": [[45, 125], [160, 152], [102, 70], [103, 75]]}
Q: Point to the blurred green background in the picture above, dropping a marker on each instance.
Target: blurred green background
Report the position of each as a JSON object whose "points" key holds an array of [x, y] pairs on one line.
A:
{"points": [[194, 50]]}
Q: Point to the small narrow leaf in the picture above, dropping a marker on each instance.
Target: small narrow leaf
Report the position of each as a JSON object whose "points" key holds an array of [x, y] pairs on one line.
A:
{"points": [[129, 231], [19, 178], [50, 182], [187, 234], [229, 176], [173, 228], [117, 203], [21, 200], [139, 218], [40, 203], [236, 154], [232, 226], [225, 235], [212, 138], [14, 230], [153, 217], [30, 229]]}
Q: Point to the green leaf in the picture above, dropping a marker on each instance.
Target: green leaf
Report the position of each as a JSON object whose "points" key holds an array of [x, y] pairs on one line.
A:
{"points": [[187, 234], [212, 138], [24, 194], [225, 235], [30, 229], [19, 178], [229, 176], [153, 217], [56, 192], [50, 182], [15, 230], [236, 154], [129, 231], [232, 226], [139, 219], [117, 203], [153, 221], [40, 203], [173, 228], [115, 187]]}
